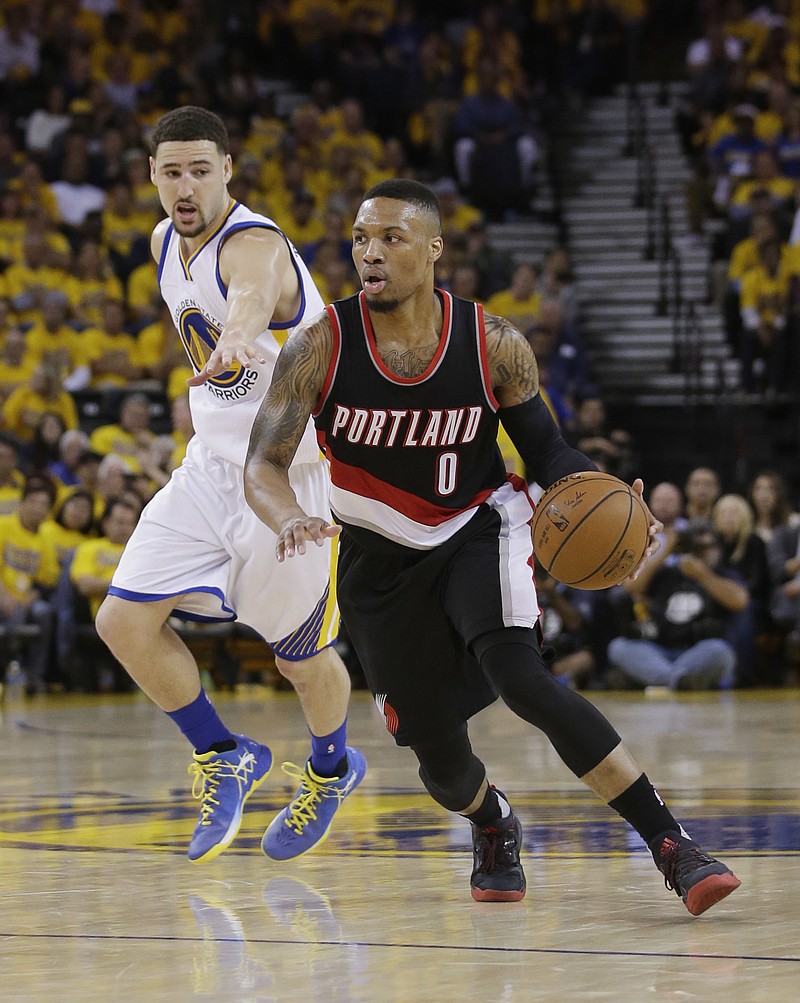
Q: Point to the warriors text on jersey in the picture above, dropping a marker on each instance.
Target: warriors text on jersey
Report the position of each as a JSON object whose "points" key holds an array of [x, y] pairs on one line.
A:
{"points": [[411, 459], [225, 407]]}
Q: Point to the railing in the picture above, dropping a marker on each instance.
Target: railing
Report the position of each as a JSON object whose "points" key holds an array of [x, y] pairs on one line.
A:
{"points": [[659, 246]]}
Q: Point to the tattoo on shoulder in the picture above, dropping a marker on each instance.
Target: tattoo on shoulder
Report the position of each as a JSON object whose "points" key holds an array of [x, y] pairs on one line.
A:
{"points": [[512, 364]]}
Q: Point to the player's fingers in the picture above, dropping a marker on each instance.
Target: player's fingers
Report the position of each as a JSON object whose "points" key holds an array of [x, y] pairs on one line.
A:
{"points": [[198, 379]]}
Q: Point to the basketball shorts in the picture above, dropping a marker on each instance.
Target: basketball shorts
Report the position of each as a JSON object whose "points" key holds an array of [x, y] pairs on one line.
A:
{"points": [[198, 539], [412, 616]]}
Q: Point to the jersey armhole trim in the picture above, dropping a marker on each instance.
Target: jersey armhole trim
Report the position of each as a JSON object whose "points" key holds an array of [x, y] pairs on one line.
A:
{"points": [[483, 357], [277, 325], [333, 365]]}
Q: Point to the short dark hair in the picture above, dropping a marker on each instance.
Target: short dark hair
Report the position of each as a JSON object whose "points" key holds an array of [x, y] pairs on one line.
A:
{"points": [[39, 482], [188, 124], [407, 190]]}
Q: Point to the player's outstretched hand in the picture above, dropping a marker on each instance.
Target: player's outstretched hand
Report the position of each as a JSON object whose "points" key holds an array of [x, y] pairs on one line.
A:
{"points": [[292, 538], [655, 527], [228, 353]]}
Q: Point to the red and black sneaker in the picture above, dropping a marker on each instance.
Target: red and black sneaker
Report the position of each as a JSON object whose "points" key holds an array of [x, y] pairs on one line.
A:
{"points": [[700, 880], [497, 874]]}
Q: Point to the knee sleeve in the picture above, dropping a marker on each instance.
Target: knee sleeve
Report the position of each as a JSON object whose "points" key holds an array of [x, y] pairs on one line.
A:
{"points": [[450, 770], [577, 731]]}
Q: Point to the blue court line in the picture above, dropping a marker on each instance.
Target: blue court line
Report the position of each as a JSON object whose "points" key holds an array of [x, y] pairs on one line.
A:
{"points": [[472, 948]]}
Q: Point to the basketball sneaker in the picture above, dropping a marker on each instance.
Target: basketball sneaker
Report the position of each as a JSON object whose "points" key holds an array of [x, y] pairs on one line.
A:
{"points": [[222, 782], [497, 874], [701, 881], [307, 818]]}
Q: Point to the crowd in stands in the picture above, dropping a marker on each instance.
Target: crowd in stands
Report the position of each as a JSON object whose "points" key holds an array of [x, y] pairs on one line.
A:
{"points": [[322, 98], [740, 125]]}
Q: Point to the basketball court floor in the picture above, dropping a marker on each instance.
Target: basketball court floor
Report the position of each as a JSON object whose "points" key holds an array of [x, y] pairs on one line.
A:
{"points": [[100, 903]]}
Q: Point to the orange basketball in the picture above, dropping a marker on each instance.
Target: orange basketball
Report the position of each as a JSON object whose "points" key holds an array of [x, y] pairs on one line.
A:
{"points": [[590, 530]]}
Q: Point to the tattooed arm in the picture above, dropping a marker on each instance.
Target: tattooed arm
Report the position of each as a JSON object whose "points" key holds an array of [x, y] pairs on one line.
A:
{"points": [[277, 431], [512, 364], [525, 416]]}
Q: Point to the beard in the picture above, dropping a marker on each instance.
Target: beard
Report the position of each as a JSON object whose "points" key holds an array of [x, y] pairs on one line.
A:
{"points": [[381, 306], [189, 229]]}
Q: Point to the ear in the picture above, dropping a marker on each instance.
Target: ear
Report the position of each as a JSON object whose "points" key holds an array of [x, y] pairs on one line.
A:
{"points": [[227, 168], [152, 170], [435, 249]]}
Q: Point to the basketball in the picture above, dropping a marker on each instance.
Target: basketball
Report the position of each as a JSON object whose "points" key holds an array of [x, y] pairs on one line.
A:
{"points": [[590, 530]]}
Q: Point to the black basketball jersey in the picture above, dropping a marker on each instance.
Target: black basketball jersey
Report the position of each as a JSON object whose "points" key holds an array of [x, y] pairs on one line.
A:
{"points": [[411, 458]]}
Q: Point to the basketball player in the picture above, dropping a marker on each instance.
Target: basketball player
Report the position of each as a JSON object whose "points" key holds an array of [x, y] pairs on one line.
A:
{"points": [[230, 278], [406, 384]]}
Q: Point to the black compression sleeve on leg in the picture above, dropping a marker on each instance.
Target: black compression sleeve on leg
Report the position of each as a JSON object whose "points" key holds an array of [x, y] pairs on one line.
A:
{"points": [[540, 443], [450, 770], [577, 730]]}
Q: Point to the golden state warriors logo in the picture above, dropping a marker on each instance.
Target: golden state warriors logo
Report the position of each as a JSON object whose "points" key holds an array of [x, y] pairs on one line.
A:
{"points": [[200, 336]]}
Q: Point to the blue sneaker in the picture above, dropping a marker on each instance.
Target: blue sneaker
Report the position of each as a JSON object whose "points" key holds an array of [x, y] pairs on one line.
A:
{"points": [[222, 782], [307, 819]]}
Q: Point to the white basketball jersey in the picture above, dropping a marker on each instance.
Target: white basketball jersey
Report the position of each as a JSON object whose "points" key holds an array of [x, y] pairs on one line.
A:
{"points": [[225, 407]]}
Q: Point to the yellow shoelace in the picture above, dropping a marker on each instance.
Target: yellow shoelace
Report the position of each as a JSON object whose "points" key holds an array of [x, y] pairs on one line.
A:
{"points": [[206, 778], [304, 807]]}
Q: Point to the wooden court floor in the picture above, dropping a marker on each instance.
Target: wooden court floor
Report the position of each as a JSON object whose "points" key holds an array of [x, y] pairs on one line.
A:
{"points": [[100, 903]]}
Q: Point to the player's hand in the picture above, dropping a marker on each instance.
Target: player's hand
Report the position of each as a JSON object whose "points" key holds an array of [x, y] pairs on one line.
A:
{"points": [[655, 526], [228, 352], [293, 536]]}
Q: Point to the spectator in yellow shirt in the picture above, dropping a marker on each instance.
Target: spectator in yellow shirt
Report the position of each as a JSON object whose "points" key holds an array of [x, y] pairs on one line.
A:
{"points": [[302, 225], [72, 524], [457, 215], [25, 406], [144, 296], [764, 304], [35, 193], [162, 355], [55, 343], [130, 437], [91, 283], [27, 282], [182, 429], [126, 230], [16, 364], [113, 353], [520, 300], [11, 479], [95, 561], [28, 573], [367, 145]]}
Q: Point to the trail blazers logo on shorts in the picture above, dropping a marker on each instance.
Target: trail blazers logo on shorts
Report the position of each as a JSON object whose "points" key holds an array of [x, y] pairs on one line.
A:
{"points": [[389, 713]]}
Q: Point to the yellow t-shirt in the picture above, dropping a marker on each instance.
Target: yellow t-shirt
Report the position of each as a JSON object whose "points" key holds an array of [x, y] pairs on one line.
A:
{"points": [[98, 558], [779, 188], [87, 296], [11, 494], [45, 345], [24, 408], [98, 343], [513, 461], [26, 559], [20, 280], [12, 377], [503, 304], [120, 232], [462, 219], [765, 293], [143, 291], [114, 439], [63, 540]]}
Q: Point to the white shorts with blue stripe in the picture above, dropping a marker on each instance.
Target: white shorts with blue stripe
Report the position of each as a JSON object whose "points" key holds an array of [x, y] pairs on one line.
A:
{"points": [[200, 541]]}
